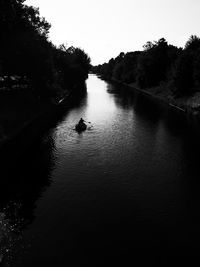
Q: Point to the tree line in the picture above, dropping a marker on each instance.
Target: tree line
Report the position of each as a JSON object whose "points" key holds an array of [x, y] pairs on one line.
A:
{"points": [[159, 62], [27, 53]]}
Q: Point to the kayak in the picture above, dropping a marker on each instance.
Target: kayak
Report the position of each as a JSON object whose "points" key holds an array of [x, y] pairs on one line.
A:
{"points": [[81, 126]]}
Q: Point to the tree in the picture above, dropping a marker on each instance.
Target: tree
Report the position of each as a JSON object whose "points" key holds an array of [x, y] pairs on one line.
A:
{"points": [[193, 43], [183, 78], [26, 51], [153, 63], [187, 71], [149, 45]]}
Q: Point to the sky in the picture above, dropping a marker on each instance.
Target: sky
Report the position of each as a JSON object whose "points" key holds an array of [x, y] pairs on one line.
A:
{"points": [[104, 28]]}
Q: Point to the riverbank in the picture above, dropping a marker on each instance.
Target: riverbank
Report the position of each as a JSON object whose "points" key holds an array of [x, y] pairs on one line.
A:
{"points": [[188, 104], [23, 116], [17, 112]]}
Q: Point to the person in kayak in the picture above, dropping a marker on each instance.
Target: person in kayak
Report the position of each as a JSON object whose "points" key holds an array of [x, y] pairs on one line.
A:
{"points": [[81, 126], [81, 121]]}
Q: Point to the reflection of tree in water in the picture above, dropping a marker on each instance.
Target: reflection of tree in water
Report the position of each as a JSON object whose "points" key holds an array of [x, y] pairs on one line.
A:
{"points": [[23, 180], [124, 98], [128, 98]]}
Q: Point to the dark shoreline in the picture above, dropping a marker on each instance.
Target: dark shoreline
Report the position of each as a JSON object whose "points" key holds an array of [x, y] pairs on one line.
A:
{"points": [[33, 128]]}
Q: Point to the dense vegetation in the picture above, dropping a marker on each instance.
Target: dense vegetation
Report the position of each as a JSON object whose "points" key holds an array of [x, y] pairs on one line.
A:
{"points": [[159, 62], [28, 58]]}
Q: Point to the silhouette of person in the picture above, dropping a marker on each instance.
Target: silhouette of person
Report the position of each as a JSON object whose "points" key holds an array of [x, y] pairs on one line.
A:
{"points": [[81, 120]]}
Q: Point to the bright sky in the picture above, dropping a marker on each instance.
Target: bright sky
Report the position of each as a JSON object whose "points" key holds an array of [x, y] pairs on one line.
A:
{"points": [[104, 28]]}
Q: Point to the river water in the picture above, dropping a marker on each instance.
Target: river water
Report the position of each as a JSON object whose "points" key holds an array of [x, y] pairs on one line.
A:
{"points": [[125, 191]]}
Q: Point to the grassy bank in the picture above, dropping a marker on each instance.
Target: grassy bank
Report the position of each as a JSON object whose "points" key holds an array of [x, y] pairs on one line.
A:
{"points": [[188, 104]]}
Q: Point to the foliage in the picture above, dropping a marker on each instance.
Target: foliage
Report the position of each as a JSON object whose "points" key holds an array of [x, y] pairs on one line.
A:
{"points": [[159, 62], [187, 72], [25, 51]]}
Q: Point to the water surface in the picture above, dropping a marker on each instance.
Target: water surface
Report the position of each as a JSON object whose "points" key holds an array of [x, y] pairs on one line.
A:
{"points": [[124, 191]]}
